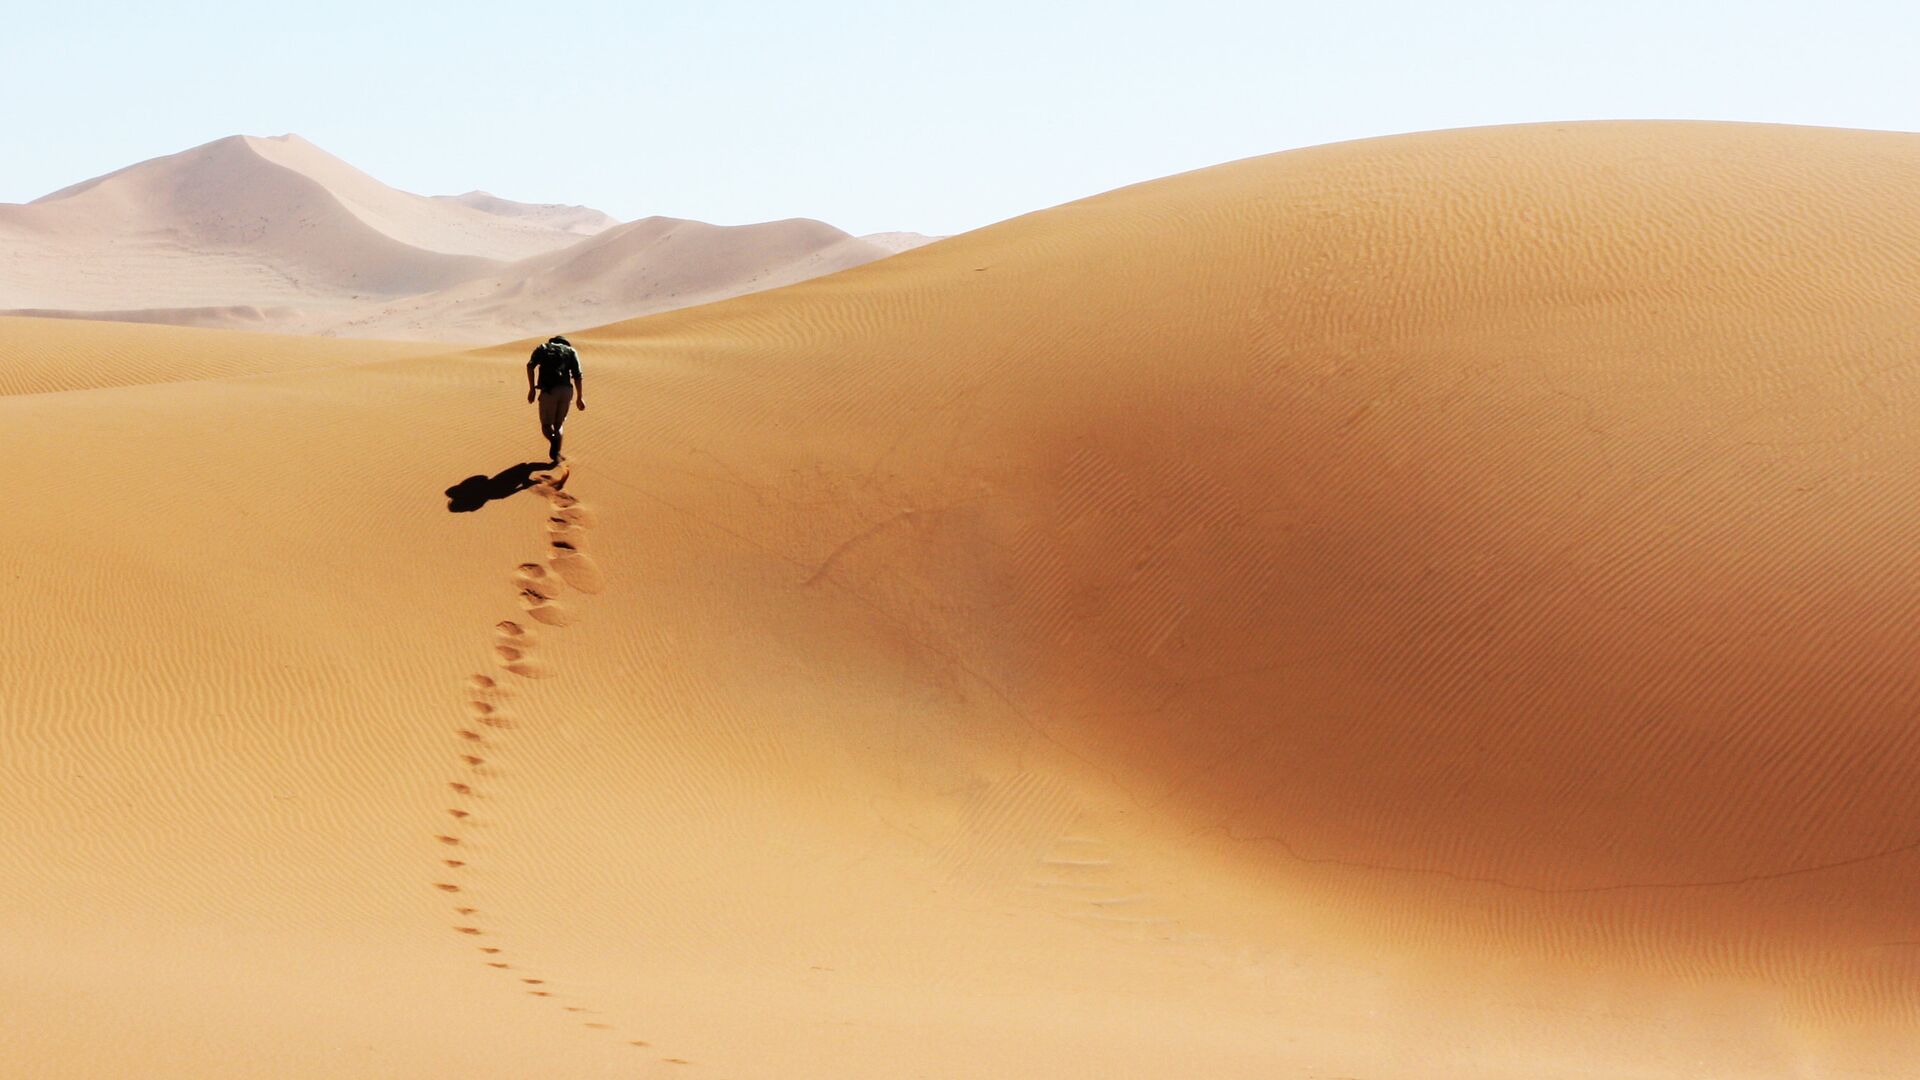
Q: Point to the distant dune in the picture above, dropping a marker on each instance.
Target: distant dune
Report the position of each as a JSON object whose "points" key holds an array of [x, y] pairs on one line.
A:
{"points": [[654, 264], [580, 220], [1429, 608], [276, 234], [896, 242]]}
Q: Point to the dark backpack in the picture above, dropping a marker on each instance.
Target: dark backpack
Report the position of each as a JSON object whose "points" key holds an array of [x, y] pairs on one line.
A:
{"points": [[557, 365]]}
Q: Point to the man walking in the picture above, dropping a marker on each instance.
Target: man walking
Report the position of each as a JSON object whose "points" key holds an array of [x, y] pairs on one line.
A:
{"points": [[553, 375]]}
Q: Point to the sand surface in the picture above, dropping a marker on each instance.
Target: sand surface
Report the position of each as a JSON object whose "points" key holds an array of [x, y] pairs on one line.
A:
{"points": [[44, 356], [1433, 607]]}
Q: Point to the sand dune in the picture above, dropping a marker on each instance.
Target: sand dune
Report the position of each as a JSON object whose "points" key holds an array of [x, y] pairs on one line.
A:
{"points": [[1422, 608], [646, 266], [580, 220], [897, 242], [276, 234], [247, 221]]}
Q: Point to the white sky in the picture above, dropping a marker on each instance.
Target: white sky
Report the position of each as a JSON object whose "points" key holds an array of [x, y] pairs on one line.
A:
{"points": [[931, 117]]}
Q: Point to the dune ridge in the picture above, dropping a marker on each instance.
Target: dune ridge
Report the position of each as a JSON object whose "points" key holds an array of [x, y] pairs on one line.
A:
{"points": [[1428, 607]]}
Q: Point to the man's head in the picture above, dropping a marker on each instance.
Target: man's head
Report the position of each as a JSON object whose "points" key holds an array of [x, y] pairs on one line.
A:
{"points": [[558, 340]]}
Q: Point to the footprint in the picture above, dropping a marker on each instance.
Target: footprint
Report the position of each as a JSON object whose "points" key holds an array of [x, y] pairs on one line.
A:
{"points": [[535, 586], [470, 735], [472, 761], [458, 813], [579, 571], [481, 682], [454, 863], [460, 787], [552, 614], [575, 515], [510, 629], [469, 930], [445, 886], [514, 659], [448, 839]]}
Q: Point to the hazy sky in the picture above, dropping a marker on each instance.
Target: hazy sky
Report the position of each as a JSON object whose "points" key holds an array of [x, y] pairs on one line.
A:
{"points": [[931, 117]]}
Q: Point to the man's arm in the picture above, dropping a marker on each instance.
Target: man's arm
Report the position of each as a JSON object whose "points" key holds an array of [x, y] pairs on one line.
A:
{"points": [[530, 390], [579, 390]]}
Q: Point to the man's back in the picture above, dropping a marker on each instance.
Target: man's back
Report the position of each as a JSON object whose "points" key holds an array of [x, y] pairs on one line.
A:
{"points": [[557, 365]]}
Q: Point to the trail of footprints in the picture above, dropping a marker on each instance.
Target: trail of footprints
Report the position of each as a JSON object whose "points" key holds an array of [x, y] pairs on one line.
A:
{"points": [[490, 720]]}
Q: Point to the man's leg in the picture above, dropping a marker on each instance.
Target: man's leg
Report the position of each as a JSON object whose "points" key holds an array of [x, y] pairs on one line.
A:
{"points": [[553, 419]]}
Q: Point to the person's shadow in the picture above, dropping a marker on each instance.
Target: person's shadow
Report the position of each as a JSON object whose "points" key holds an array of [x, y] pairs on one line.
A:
{"points": [[477, 491]]}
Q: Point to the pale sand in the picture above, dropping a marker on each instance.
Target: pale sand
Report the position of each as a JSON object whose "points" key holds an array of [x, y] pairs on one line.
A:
{"points": [[1424, 608], [579, 220], [276, 234]]}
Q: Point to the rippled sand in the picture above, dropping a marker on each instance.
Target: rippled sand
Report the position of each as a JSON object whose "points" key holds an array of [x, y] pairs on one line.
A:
{"points": [[1419, 608]]}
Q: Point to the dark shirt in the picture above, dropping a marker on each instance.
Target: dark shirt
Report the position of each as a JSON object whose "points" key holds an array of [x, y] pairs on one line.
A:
{"points": [[558, 365]]}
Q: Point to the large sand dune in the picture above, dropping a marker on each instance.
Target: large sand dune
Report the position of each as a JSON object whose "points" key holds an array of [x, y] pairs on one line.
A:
{"points": [[1432, 607], [276, 234]]}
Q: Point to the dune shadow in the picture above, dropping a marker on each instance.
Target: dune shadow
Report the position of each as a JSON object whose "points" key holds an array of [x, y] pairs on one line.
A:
{"points": [[477, 491]]}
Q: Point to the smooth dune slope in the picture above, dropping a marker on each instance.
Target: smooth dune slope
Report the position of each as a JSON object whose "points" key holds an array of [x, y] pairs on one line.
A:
{"points": [[451, 227], [1426, 607]]}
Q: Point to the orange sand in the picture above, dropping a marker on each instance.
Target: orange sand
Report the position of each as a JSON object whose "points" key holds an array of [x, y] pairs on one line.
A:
{"points": [[1432, 607]]}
